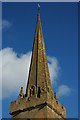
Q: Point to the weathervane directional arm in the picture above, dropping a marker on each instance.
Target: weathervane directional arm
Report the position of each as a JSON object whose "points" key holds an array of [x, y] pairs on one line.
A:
{"points": [[38, 7]]}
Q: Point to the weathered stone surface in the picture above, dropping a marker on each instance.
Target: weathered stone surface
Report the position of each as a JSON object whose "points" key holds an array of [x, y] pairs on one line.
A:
{"points": [[39, 101], [44, 103]]}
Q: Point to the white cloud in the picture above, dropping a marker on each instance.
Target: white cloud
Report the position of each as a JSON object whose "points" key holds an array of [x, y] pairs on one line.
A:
{"points": [[0, 85], [15, 70], [63, 90], [54, 68], [5, 24]]}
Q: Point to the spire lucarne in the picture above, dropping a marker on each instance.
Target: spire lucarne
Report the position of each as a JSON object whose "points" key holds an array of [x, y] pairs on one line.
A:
{"points": [[39, 101]]}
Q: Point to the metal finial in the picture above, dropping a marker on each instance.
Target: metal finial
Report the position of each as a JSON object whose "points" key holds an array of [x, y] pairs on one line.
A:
{"points": [[38, 7]]}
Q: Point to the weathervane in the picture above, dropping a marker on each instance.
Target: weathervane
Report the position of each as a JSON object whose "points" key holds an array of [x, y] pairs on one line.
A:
{"points": [[38, 7]]}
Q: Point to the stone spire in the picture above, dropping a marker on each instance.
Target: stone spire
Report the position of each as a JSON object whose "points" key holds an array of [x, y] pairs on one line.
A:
{"points": [[39, 101], [39, 78]]}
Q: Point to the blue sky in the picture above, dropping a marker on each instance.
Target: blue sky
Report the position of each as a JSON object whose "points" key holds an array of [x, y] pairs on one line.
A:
{"points": [[60, 30]]}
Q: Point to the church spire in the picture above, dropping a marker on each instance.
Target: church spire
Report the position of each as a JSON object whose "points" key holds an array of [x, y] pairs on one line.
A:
{"points": [[39, 78], [39, 101]]}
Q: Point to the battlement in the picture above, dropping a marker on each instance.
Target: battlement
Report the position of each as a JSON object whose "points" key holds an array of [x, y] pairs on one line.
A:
{"points": [[34, 102]]}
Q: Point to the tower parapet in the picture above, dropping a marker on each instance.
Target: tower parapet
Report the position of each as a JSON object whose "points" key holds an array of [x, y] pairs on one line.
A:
{"points": [[27, 103]]}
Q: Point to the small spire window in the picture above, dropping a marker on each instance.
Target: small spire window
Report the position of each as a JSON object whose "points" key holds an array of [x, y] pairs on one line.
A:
{"points": [[39, 91]]}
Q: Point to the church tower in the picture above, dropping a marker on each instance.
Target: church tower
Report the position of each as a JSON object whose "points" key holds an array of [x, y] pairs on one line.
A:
{"points": [[39, 100]]}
